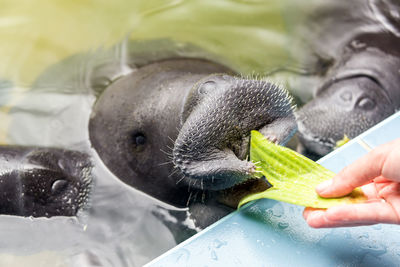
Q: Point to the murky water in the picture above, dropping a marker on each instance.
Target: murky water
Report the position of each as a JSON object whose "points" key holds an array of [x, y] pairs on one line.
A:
{"points": [[48, 53]]}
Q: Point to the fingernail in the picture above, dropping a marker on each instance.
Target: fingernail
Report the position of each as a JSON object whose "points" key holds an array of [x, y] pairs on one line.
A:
{"points": [[324, 187]]}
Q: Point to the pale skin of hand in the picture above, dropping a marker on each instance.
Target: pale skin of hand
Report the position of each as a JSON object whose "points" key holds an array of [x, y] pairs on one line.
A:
{"points": [[378, 174]]}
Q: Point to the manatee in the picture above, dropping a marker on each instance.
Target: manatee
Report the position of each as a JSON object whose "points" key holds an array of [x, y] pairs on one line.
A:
{"points": [[359, 85], [43, 182], [361, 90], [177, 127]]}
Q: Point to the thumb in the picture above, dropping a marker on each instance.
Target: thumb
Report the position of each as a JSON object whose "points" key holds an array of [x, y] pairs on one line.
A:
{"points": [[358, 173]]}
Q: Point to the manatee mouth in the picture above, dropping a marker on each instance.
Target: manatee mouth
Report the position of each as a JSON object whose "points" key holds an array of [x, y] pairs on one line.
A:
{"points": [[314, 143], [241, 148], [232, 196]]}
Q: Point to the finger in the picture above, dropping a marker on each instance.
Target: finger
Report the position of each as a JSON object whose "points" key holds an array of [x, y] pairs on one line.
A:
{"points": [[388, 189], [381, 179], [370, 191], [394, 201], [356, 174], [391, 167], [308, 211], [353, 215]]}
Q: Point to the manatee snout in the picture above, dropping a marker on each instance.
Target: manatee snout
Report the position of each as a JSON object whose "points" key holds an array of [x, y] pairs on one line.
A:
{"points": [[220, 111]]}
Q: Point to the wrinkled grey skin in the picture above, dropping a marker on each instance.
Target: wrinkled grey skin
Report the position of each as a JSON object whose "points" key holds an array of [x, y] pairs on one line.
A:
{"points": [[43, 182], [204, 118], [361, 90]]}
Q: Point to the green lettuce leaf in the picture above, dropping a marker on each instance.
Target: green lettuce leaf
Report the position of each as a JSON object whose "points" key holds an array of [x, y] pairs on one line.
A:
{"points": [[293, 176]]}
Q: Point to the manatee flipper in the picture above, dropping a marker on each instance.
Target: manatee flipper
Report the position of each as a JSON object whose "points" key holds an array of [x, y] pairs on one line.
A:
{"points": [[43, 182], [222, 115], [280, 130]]}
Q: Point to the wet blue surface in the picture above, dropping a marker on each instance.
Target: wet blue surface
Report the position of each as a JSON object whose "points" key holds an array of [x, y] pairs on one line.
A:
{"points": [[271, 233]]}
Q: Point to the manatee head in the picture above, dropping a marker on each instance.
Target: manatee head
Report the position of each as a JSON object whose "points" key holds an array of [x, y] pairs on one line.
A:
{"points": [[175, 126], [135, 122], [346, 107], [361, 90]]}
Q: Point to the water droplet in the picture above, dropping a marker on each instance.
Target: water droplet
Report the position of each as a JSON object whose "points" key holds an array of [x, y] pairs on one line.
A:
{"points": [[214, 255], [58, 186], [364, 235], [184, 256], [218, 243], [347, 234], [278, 210], [377, 227], [283, 225]]}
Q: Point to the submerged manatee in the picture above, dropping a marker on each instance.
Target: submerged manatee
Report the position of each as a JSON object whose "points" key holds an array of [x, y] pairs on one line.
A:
{"points": [[361, 84], [43, 182], [178, 126], [361, 90]]}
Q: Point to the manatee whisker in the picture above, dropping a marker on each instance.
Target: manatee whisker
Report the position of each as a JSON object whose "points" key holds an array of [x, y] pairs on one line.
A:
{"points": [[181, 179], [166, 153], [203, 197], [172, 140], [165, 163], [172, 173], [188, 201]]}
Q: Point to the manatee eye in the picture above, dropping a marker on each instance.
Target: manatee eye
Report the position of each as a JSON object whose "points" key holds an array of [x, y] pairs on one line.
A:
{"points": [[139, 139], [207, 87], [366, 103]]}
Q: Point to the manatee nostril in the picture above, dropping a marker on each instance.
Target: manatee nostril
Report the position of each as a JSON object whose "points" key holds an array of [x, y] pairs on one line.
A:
{"points": [[206, 87], [139, 138], [58, 186], [366, 103]]}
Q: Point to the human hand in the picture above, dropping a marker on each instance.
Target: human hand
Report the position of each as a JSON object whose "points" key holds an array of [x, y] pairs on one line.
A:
{"points": [[378, 174]]}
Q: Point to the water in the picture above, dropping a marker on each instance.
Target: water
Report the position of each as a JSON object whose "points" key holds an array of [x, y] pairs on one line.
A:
{"points": [[51, 67], [48, 54]]}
